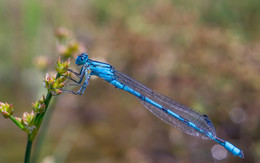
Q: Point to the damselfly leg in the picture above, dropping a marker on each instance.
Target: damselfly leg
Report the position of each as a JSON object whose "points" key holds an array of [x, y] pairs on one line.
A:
{"points": [[79, 75], [77, 83]]}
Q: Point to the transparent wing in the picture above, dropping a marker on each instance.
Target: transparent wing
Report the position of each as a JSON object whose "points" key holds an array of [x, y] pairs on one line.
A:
{"points": [[201, 121]]}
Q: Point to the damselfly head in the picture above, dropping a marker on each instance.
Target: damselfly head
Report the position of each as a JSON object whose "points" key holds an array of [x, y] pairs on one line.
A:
{"points": [[82, 59]]}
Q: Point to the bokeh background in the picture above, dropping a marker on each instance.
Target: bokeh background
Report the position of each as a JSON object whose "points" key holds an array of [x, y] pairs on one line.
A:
{"points": [[202, 53]]}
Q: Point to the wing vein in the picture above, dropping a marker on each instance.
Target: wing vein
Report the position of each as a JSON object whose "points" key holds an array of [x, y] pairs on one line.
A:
{"points": [[189, 114]]}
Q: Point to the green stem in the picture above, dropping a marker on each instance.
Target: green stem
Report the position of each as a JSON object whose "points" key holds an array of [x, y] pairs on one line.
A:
{"points": [[42, 134], [28, 150], [17, 123], [38, 124], [39, 116], [38, 120]]}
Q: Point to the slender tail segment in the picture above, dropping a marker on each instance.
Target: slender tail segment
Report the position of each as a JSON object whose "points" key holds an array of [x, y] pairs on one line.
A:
{"points": [[178, 116], [233, 149], [229, 147]]}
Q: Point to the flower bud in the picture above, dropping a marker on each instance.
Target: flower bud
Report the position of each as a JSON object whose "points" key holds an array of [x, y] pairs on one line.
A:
{"points": [[28, 118], [6, 109], [54, 85], [61, 85], [39, 107], [56, 92], [61, 67], [49, 81], [27, 121], [42, 100], [67, 73]]}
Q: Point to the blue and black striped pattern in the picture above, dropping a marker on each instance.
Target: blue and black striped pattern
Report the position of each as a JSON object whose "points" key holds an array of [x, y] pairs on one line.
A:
{"points": [[179, 116]]}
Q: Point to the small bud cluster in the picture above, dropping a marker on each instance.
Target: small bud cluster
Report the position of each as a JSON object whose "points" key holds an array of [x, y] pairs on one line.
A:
{"points": [[28, 121], [6, 109], [39, 106], [61, 67], [54, 84], [31, 121]]}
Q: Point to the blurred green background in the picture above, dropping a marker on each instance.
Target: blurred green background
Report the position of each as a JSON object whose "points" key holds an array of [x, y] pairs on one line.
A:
{"points": [[202, 53]]}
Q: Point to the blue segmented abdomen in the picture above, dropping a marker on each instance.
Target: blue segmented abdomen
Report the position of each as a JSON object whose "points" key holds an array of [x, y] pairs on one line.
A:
{"points": [[179, 116], [173, 113]]}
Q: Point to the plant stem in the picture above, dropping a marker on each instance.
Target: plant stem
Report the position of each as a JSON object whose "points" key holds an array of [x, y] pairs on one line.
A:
{"points": [[31, 136], [40, 116], [17, 123], [39, 119], [28, 150], [41, 135]]}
